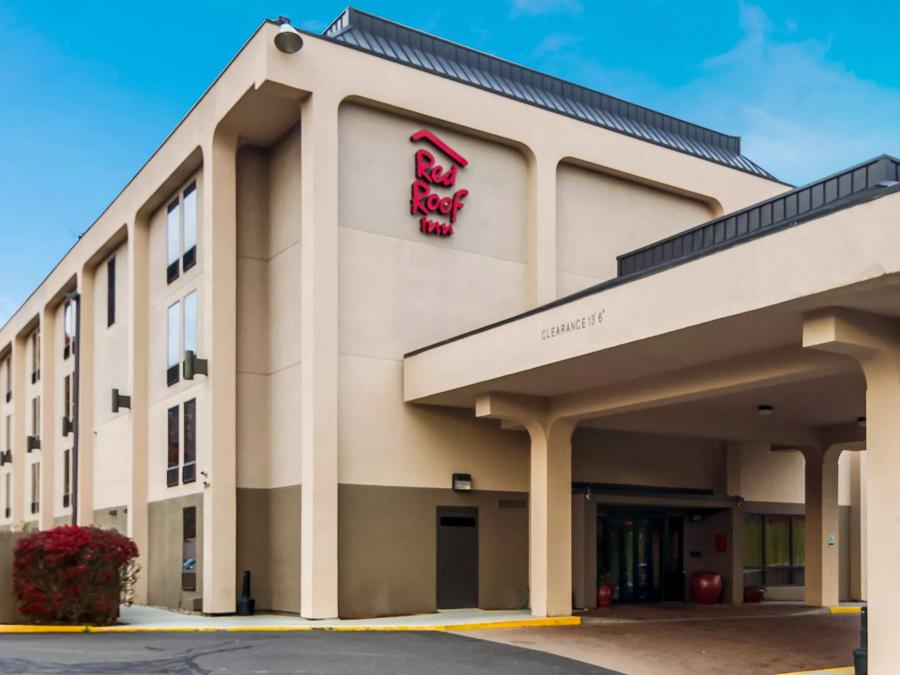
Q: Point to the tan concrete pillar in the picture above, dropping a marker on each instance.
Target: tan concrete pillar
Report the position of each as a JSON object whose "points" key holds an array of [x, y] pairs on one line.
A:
{"points": [[550, 514], [319, 350], [584, 551], [821, 524], [219, 341], [85, 405], [49, 422], [874, 342], [138, 340], [858, 526], [19, 431], [734, 588], [542, 168]]}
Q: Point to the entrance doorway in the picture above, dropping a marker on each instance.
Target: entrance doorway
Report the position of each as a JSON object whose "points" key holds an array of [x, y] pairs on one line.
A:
{"points": [[641, 555], [457, 557]]}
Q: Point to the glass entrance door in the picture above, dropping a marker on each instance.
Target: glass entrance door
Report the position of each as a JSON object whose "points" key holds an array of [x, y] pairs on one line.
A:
{"points": [[640, 556]]}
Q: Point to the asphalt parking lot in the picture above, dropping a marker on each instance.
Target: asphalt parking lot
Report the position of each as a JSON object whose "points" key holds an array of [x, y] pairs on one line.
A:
{"points": [[415, 653]]}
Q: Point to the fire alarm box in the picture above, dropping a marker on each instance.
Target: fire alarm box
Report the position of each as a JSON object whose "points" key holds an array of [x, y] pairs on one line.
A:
{"points": [[721, 543]]}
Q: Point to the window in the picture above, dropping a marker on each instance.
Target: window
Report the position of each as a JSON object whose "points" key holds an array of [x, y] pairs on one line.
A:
{"points": [[67, 397], [173, 349], [181, 334], [6, 498], [68, 329], [189, 549], [8, 377], [189, 204], [189, 469], [181, 233], [36, 417], [173, 243], [773, 550], [35, 487], [67, 477], [178, 436], [190, 322], [8, 445], [174, 450], [35, 356], [110, 291]]}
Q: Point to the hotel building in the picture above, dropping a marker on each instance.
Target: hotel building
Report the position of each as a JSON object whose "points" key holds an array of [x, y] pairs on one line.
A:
{"points": [[397, 326]]}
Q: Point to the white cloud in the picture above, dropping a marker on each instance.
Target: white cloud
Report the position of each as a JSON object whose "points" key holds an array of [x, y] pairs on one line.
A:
{"points": [[540, 7], [554, 42], [801, 113]]}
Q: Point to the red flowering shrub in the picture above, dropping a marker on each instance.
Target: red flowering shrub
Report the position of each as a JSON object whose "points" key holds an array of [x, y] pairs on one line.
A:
{"points": [[74, 575]]}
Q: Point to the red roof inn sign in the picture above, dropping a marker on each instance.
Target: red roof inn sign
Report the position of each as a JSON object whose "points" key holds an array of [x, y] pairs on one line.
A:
{"points": [[432, 194]]}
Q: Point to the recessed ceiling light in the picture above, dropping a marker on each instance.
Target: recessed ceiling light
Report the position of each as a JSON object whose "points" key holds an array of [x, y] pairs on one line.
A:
{"points": [[765, 410], [861, 421]]}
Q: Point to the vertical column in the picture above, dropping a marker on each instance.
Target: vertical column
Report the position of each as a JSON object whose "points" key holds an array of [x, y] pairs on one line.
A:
{"points": [[542, 227], [734, 590], [550, 518], [139, 355], [19, 431], [858, 527], [874, 341], [220, 338], [584, 551], [49, 422], [85, 404], [319, 354], [821, 527]]}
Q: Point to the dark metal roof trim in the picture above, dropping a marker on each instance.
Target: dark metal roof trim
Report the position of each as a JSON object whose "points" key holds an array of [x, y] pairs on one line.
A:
{"points": [[799, 204], [416, 49], [889, 186]]}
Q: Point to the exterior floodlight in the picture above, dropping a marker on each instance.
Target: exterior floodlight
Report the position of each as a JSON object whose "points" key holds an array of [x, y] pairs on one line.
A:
{"points": [[462, 482], [765, 410], [861, 422], [287, 40]]}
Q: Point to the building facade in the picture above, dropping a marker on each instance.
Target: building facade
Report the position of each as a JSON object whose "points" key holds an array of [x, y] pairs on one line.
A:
{"points": [[397, 325]]}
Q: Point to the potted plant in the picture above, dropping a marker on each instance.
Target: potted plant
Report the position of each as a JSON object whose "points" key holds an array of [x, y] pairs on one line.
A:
{"points": [[605, 590]]}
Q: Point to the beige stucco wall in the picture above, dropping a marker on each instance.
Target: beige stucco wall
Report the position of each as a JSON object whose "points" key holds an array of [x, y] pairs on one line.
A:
{"points": [[778, 476], [399, 288], [269, 240], [165, 552], [600, 216], [268, 545], [607, 456], [388, 548], [112, 441]]}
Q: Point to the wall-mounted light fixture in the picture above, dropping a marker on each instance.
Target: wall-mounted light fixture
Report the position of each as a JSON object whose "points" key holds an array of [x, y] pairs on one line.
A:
{"points": [[66, 426], [5, 457], [33, 443], [462, 482], [194, 366], [287, 40], [120, 401], [765, 410], [861, 422]]}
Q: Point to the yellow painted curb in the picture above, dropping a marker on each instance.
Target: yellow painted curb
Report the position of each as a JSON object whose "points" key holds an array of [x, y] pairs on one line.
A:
{"points": [[521, 623], [844, 610], [847, 669]]}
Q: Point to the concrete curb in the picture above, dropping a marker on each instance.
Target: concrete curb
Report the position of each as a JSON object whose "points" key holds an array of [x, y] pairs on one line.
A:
{"points": [[845, 610], [522, 623]]}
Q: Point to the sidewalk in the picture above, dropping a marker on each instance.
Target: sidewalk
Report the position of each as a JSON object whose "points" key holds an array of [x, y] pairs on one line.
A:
{"points": [[137, 619]]}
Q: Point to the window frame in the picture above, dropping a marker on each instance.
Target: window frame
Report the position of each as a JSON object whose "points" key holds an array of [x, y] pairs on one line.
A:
{"points": [[111, 291], [173, 445], [67, 478], [796, 567], [173, 322], [35, 487], [189, 442]]}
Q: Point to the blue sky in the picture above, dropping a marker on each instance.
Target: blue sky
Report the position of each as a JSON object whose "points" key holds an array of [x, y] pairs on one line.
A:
{"points": [[91, 88]]}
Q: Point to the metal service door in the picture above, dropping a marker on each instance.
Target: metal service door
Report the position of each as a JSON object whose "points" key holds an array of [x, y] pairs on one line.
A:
{"points": [[457, 557]]}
